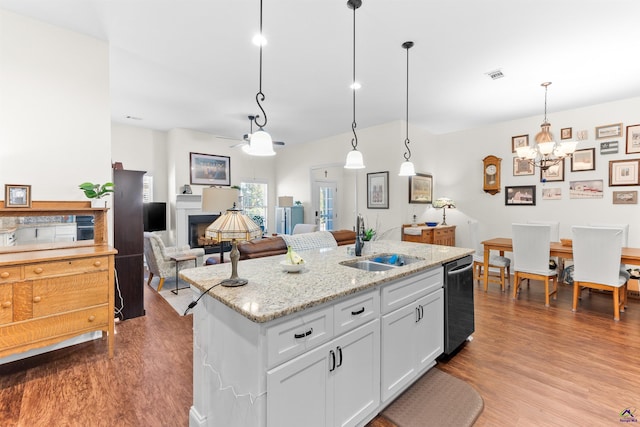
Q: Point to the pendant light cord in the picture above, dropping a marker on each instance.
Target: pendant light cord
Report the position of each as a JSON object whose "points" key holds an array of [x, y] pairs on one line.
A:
{"points": [[354, 140], [407, 154], [260, 96]]}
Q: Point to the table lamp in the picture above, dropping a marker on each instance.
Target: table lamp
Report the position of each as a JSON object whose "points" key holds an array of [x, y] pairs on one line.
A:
{"points": [[233, 226], [444, 203]]}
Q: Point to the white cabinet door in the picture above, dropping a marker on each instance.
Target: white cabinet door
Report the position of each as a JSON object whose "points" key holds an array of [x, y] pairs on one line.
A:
{"points": [[356, 378], [430, 329], [31, 235]]}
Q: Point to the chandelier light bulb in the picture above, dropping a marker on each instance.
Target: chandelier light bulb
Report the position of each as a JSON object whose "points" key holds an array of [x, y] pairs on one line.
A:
{"points": [[259, 40]]}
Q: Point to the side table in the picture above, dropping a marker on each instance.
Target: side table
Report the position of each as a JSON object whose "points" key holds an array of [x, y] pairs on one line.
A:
{"points": [[182, 258]]}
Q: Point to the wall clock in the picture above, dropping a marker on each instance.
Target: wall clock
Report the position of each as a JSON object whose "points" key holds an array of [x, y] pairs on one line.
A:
{"points": [[491, 172]]}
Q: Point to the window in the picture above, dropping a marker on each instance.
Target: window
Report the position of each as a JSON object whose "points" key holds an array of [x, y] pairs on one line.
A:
{"points": [[254, 202]]}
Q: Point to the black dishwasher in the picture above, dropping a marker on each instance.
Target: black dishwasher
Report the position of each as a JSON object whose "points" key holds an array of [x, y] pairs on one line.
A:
{"points": [[458, 303]]}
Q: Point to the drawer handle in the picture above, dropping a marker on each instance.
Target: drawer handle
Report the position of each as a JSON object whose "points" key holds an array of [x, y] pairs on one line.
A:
{"points": [[97, 264], [304, 334], [333, 360], [37, 299], [92, 318], [6, 304], [4, 274], [38, 270], [355, 313], [340, 355]]}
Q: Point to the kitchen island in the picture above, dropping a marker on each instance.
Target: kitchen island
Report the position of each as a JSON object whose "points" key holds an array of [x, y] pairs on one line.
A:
{"points": [[331, 345]]}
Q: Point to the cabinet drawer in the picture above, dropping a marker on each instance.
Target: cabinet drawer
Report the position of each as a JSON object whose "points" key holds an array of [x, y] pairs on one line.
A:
{"points": [[6, 304], [9, 274], [80, 265], [298, 334], [44, 331], [355, 311], [66, 293], [408, 289]]}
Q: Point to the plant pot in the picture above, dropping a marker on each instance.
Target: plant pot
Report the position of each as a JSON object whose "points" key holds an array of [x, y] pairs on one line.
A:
{"points": [[99, 203]]}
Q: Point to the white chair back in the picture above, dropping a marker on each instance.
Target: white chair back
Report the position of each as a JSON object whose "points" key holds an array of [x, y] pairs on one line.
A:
{"points": [[623, 227], [531, 248], [555, 229], [304, 228], [596, 254]]}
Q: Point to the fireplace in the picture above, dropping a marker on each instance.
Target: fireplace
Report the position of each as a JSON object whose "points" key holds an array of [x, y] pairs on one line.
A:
{"points": [[197, 226]]}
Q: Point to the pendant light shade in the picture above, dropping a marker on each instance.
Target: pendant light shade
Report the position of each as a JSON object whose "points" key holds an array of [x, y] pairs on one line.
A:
{"points": [[354, 158], [260, 144], [407, 168]]}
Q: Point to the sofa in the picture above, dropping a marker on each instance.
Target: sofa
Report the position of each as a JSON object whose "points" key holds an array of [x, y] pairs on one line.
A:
{"points": [[158, 257], [277, 245]]}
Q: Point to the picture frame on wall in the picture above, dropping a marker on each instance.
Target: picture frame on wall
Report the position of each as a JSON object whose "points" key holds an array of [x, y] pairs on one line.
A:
{"points": [[554, 173], [17, 196], [209, 169], [609, 131], [624, 172], [554, 193], [633, 139], [590, 189], [378, 190], [625, 197], [583, 160], [421, 188], [519, 141], [566, 133], [521, 195], [522, 167]]}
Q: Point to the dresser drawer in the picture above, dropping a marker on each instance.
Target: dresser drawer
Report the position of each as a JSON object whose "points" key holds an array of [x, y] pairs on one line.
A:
{"points": [[298, 334], [66, 293], [79, 265], [6, 304], [400, 293], [355, 311], [9, 274]]}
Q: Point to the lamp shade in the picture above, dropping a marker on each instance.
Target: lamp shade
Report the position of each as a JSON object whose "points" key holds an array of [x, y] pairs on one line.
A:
{"points": [[218, 199], [407, 169], [233, 225], [260, 144], [354, 160], [444, 202], [285, 201]]}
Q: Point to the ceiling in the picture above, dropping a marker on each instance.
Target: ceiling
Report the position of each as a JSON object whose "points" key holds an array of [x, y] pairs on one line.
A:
{"points": [[191, 64]]}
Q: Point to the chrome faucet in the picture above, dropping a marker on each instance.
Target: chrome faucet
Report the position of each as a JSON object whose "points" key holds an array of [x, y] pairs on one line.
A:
{"points": [[359, 235]]}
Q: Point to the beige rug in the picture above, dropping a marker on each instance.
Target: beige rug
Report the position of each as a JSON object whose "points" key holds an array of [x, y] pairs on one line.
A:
{"points": [[437, 399], [179, 302]]}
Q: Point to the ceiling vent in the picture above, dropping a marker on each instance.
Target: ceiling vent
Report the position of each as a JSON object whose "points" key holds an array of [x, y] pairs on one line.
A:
{"points": [[495, 75]]}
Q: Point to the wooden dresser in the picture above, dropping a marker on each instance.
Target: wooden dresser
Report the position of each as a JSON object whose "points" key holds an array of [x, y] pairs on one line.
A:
{"points": [[55, 291], [444, 235]]}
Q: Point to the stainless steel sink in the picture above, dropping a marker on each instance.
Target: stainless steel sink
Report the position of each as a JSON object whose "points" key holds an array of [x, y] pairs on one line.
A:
{"points": [[368, 265], [382, 262]]}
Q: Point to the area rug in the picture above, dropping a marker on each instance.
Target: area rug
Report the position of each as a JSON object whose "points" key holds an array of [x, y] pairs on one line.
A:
{"points": [[437, 399], [178, 302]]}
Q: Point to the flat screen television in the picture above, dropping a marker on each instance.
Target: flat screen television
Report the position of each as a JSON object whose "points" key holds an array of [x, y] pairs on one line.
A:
{"points": [[154, 216]]}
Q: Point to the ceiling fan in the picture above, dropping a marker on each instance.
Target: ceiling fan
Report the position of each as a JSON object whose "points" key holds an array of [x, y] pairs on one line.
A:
{"points": [[247, 136]]}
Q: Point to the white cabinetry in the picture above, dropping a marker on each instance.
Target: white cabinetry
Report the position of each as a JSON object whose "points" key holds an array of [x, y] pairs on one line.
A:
{"points": [[8, 237], [27, 235]]}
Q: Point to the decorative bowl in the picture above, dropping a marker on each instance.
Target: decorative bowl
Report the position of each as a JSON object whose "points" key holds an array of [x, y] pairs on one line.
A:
{"points": [[566, 242], [291, 268], [431, 224]]}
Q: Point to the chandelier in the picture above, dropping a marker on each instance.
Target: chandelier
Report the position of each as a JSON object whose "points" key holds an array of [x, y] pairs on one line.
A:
{"points": [[546, 152]]}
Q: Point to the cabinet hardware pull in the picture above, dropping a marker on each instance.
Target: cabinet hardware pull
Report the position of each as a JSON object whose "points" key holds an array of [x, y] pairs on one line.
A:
{"points": [[421, 312], [333, 361], [355, 313], [92, 318], [340, 354], [97, 264], [4, 274], [6, 304], [37, 299], [417, 315], [304, 334], [38, 270]]}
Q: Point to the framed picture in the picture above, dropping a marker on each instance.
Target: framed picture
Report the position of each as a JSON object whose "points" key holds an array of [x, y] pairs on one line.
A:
{"points": [[582, 135], [554, 173], [523, 195], [17, 196], [378, 190], [586, 189], [610, 147], [625, 197], [519, 141], [609, 131], [522, 167], [420, 188], [566, 133], [633, 139], [624, 172], [207, 169], [583, 160], [552, 193]]}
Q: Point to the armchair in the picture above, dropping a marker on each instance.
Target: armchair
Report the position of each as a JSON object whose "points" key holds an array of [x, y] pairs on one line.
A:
{"points": [[158, 258]]}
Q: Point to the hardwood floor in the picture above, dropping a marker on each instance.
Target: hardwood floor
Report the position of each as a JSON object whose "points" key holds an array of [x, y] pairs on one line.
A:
{"points": [[532, 365]]}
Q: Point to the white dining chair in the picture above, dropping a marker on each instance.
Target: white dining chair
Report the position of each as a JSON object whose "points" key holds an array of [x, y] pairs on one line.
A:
{"points": [[497, 264], [625, 240], [555, 228], [531, 257], [596, 258]]}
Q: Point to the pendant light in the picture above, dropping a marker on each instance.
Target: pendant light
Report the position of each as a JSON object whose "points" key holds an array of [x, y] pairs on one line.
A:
{"points": [[406, 168], [260, 142], [354, 158]]}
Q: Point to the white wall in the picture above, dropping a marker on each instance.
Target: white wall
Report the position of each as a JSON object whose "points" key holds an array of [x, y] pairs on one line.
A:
{"points": [[54, 107]]}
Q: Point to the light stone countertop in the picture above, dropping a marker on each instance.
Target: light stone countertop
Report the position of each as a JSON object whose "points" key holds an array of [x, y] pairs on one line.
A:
{"points": [[272, 293]]}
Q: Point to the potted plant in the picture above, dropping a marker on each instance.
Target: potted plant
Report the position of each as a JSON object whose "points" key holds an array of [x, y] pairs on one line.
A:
{"points": [[259, 220], [95, 192]]}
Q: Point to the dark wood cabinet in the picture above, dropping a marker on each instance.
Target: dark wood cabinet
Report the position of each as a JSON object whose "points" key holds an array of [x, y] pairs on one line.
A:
{"points": [[128, 239]]}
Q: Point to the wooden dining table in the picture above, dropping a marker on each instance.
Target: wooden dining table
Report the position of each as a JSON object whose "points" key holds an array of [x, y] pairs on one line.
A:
{"points": [[504, 244]]}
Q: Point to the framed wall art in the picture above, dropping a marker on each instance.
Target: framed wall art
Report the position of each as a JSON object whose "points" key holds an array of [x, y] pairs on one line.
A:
{"points": [[625, 197], [609, 147], [378, 190], [552, 193], [586, 189], [633, 139], [609, 131], [624, 172], [583, 160], [208, 169], [523, 195], [522, 167], [554, 173], [566, 133], [17, 196], [420, 188], [519, 141]]}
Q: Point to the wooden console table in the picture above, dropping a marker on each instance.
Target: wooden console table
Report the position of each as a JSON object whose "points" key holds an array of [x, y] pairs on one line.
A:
{"points": [[444, 235]]}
